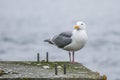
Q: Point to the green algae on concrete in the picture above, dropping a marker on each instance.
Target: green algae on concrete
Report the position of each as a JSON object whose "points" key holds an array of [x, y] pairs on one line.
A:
{"points": [[31, 69], [2, 72]]}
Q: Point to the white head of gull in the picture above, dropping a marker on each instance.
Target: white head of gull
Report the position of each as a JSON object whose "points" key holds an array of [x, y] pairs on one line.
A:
{"points": [[71, 40]]}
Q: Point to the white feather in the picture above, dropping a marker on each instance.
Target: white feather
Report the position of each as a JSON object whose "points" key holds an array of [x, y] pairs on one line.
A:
{"points": [[79, 39]]}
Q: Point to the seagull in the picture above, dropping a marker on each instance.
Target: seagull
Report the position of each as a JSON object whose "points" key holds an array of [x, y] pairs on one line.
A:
{"points": [[71, 41]]}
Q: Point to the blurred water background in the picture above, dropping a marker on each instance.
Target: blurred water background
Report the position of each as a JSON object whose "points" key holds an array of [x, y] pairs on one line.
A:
{"points": [[24, 24]]}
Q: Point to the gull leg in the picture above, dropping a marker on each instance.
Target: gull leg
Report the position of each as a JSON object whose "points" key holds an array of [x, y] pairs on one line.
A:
{"points": [[70, 56], [73, 55], [73, 58]]}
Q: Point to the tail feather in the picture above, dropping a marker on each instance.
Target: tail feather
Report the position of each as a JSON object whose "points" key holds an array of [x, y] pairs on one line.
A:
{"points": [[49, 41]]}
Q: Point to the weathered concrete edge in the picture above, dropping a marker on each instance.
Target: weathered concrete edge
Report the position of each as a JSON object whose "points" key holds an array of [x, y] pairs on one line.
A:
{"points": [[48, 79]]}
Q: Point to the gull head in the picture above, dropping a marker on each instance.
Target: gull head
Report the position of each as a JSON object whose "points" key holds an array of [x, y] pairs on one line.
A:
{"points": [[80, 25]]}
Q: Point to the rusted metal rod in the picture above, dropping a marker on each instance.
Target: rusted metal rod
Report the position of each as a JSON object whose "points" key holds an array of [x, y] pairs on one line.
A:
{"points": [[47, 57], [64, 68], [56, 71], [38, 57]]}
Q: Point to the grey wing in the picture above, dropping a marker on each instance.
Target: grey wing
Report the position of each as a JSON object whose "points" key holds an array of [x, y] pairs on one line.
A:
{"points": [[66, 34], [62, 39]]}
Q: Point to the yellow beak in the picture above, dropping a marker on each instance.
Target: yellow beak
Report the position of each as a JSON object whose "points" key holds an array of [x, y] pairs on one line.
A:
{"points": [[76, 27]]}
